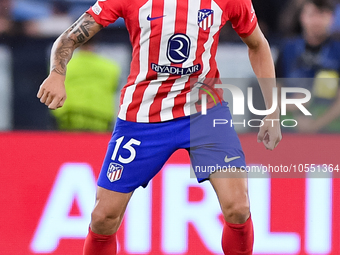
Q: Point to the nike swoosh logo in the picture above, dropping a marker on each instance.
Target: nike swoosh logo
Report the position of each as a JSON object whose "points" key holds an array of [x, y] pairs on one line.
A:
{"points": [[227, 160], [153, 18]]}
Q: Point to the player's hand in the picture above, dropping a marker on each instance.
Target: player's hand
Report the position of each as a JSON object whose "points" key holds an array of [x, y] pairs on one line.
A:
{"points": [[52, 91], [270, 133]]}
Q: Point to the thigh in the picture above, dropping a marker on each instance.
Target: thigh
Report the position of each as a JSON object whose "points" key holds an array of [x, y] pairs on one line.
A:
{"points": [[135, 154], [230, 187], [214, 147], [111, 202], [109, 205]]}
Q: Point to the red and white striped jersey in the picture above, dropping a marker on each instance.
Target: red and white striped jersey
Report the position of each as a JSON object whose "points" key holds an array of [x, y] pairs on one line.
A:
{"points": [[173, 41]]}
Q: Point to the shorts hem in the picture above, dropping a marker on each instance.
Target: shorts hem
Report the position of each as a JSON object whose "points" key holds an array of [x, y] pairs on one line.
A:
{"points": [[117, 189]]}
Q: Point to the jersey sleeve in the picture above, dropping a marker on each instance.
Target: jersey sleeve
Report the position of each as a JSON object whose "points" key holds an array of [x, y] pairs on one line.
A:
{"points": [[242, 17], [106, 12]]}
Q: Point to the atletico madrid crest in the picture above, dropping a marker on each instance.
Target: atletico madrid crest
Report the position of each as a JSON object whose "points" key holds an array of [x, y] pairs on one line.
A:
{"points": [[114, 172], [205, 18]]}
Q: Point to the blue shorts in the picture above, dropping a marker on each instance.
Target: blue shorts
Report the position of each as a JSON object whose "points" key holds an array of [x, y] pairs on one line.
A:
{"points": [[138, 151]]}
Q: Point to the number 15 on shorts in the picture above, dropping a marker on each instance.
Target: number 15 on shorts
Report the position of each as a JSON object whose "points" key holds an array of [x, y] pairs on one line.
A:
{"points": [[128, 146]]}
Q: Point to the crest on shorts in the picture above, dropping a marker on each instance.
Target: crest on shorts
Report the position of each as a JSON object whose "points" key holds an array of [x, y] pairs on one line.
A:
{"points": [[205, 18], [114, 172]]}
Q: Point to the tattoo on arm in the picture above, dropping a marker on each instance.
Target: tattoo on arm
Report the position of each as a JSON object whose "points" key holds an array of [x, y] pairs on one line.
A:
{"points": [[79, 33], [82, 32], [62, 56]]}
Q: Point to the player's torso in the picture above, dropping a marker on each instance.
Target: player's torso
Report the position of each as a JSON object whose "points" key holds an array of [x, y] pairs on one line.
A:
{"points": [[173, 41], [174, 33]]}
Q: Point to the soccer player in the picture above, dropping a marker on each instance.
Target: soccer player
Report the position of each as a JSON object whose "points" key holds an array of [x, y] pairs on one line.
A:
{"points": [[174, 42]]}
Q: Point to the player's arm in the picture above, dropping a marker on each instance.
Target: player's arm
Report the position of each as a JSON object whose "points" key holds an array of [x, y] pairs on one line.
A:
{"points": [[262, 63], [52, 91]]}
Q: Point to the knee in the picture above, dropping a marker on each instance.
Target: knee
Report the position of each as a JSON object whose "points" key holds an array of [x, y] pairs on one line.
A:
{"points": [[105, 223], [236, 211]]}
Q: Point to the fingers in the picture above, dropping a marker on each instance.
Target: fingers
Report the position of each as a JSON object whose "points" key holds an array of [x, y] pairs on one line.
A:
{"points": [[57, 102], [40, 92], [261, 135], [61, 103], [48, 100], [272, 141], [268, 142], [52, 93], [270, 136], [52, 101], [44, 97]]}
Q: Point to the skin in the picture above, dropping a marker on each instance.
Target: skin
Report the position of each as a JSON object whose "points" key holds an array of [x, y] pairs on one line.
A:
{"points": [[262, 62], [52, 91], [232, 192]]}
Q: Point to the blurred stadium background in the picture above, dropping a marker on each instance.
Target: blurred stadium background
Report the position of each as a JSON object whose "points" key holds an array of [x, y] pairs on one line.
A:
{"points": [[48, 177]]}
